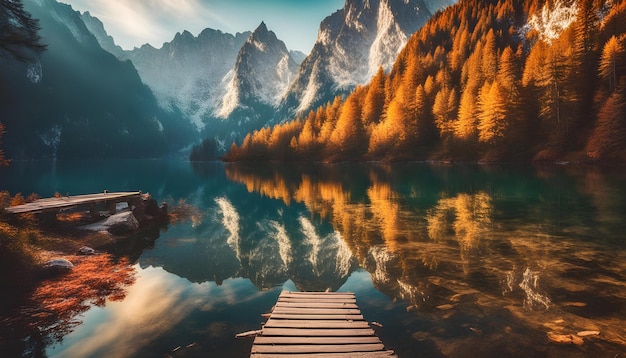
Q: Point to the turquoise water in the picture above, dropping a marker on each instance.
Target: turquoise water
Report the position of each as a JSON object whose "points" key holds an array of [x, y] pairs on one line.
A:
{"points": [[452, 260]]}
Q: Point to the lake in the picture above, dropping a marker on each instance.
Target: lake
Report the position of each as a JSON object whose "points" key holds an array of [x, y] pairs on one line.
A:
{"points": [[456, 260]]}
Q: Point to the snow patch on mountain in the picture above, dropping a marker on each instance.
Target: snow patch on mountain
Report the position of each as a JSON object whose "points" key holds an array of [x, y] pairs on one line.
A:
{"points": [[230, 100], [310, 93], [553, 20], [385, 49]]}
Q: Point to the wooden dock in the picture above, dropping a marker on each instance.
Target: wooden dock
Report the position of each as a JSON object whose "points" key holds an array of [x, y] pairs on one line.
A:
{"points": [[317, 324], [57, 203]]}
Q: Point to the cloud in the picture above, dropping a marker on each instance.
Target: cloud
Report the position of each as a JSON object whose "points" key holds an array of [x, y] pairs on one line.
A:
{"points": [[156, 303], [133, 23]]}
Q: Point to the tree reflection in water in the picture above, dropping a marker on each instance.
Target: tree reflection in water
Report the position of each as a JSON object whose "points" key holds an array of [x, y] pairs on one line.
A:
{"points": [[477, 255], [56, 305]]}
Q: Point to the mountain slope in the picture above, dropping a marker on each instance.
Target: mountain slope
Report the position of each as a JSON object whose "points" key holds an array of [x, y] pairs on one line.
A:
{"points": [[79, 100], [352, 44], [263, 70], [188, 74]]}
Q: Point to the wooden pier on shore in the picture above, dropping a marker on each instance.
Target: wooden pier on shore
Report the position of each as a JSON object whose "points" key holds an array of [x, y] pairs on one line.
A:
{"points": [[55, 204], [317, 324]]}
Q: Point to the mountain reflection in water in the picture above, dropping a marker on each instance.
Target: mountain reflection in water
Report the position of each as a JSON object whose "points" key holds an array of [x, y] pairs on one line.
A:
{"points": [[452, 260], [479, 253]]}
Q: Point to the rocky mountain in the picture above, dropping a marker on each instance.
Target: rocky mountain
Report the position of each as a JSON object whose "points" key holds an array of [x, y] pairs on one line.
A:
{"points": [[249, 79], [213, 77], [189, 74], [96, 27], [79, 101], [352, 44], [263, 71]]}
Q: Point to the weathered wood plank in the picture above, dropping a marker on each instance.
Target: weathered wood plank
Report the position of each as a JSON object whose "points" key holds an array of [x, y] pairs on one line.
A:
{"points": [[315, 300], [70, 201], [318, 297], [316, 305], [312, 348], [380, 354], [316, 311], [354, 317], [315, 340], [289, 323], [308, 332], [316, 293]]}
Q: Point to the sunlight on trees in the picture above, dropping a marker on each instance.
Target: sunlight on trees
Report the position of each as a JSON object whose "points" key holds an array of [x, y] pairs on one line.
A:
{"points": [[468, 86], [612, 60]]}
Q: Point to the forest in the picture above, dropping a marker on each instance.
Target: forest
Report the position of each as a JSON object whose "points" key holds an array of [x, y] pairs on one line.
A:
{"points": [[508, 80]]}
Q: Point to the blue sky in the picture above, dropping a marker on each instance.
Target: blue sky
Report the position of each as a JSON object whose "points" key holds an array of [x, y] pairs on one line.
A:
{"points": [[135, 22]]}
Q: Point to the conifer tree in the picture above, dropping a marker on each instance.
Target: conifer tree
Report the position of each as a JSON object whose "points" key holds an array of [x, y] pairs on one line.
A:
{"points": [[490, 57], [375, 99], [612, 60], [348, 137], [493, 114], [19, 32], [609, 137]]}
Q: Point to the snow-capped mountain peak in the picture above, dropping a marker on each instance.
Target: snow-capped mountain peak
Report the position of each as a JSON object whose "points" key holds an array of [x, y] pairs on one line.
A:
{"points": [[263, 71]]}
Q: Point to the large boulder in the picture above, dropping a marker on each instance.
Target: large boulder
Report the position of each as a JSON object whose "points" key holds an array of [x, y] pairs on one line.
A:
{"points": [[146, 208], [117, 224]]}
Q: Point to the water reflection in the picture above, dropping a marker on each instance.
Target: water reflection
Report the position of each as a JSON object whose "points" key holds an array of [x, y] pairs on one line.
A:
{"points": [[57, 305], [499, 254], [465, 260]]}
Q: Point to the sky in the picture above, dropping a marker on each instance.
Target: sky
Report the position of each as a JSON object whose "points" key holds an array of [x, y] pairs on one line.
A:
{"points": [[133, 23]]}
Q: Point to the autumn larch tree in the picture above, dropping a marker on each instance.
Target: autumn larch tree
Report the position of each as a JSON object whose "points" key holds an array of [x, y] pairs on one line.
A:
{"points": [[612, 60], [608, 140], [348, 140]]}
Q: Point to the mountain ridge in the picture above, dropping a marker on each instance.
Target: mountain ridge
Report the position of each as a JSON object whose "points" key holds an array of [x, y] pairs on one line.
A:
{"points": [[78, 100]]}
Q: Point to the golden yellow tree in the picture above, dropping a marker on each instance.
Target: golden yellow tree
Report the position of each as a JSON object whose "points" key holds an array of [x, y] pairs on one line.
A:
{"points": [[613, 55], [374, 99], [493, 114], [443, 109], [348, 140]]}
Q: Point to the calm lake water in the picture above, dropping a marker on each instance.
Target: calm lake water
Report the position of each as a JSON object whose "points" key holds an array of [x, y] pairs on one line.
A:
{"points": [[452, 260]]}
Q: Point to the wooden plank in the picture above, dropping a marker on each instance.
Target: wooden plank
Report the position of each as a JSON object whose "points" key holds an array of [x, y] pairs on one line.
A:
{"points": [[308, 332], [312, 348], [315, 340], [314, 300], [319, 297], [380, 354], [289, 323], [316, 305], [70, 201], [315, 293], [354, 317], [316, 311]]}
